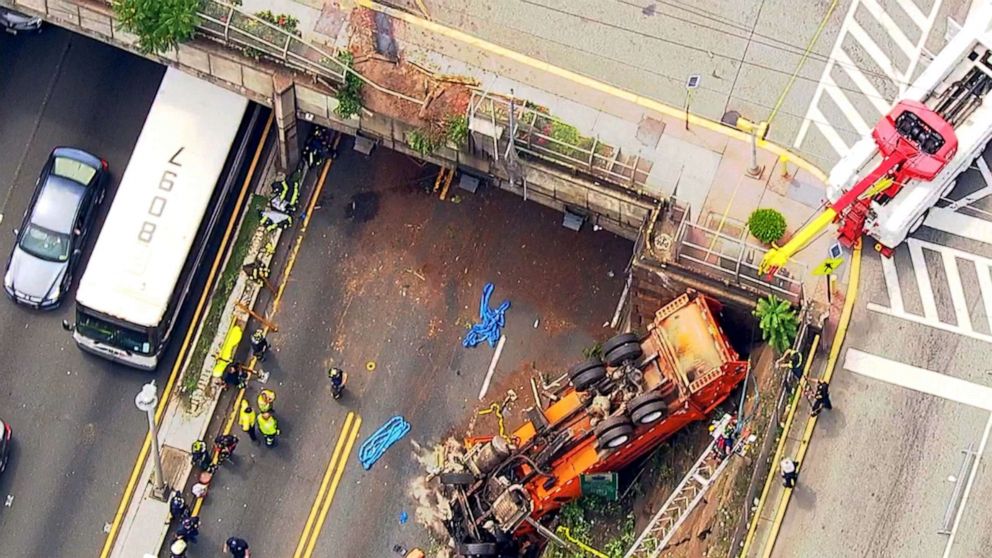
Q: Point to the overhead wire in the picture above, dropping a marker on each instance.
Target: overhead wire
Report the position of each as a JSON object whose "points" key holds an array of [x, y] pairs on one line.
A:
{"points": [[674, 79], [709, 52]]}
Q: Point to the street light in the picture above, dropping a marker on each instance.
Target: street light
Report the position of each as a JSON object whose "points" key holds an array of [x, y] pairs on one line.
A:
{"points": [[146, 401]]}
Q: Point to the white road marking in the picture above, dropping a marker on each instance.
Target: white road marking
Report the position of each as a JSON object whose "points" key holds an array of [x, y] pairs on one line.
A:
{"points": [[923, 280], [913, 12], [891, 27], [918, 379], [985, 284], [967, 487], [892, 33], [949, 257], [957, 291], [845, 105], [965, 226], [892, 284], [862, 82]]}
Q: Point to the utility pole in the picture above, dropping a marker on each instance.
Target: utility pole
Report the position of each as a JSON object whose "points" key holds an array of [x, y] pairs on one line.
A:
{"points": [[691, 84], [146, 401]]}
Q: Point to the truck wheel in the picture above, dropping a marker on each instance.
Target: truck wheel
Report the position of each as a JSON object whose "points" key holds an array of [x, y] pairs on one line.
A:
{"points": [[623, 353], [618, 340], [480, 550], [647, 408], [456, 479], [586, 373], [919, 222], [613, 432]]}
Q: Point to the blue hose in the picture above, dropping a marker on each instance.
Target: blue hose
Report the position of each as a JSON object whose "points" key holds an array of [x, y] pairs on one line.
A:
{"points": [[376, 445], [492, 321]]}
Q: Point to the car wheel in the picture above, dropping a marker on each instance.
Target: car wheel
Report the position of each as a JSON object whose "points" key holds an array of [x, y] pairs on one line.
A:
{"points": [[647, 408], [624, 353], [477, 550], [613, 432], [456, 479], [618, 340], [586, 374]]}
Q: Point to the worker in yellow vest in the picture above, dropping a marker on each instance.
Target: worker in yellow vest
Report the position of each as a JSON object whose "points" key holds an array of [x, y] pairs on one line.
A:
{"points": [[266, 399], [269, 427], [246, 418]]}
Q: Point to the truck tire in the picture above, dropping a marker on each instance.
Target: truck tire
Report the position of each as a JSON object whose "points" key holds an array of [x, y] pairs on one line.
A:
{"points": [[647, 408], [456, 479], [617, 340], [613, 432], [586, 374], [477, 550], [623, 353]]}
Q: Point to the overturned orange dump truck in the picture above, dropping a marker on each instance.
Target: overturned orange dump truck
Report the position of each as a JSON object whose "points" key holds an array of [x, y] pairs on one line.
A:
{"points": [[618, 408]]}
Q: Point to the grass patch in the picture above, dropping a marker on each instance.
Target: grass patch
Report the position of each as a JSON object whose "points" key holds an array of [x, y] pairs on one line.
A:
{"points": [[228, 277], [604, 525]]}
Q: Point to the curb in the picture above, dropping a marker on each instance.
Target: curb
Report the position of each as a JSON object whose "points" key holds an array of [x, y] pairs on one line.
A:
{"points": [[580, 79], [835, 347]]}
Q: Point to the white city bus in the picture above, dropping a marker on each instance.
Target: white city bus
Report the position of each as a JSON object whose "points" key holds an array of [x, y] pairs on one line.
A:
{"points": [[143, 263]]}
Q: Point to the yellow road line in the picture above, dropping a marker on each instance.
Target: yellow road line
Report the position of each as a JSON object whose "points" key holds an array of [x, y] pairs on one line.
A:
{"points": [[842, 325], [304, 537], [780, 447], [164, 400], [333, 488], [235, 409], [585, 81]]}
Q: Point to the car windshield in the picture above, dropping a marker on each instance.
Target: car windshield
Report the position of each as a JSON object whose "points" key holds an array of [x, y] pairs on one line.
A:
{"points": [[114, 335], [45, 244], [73, 170]]}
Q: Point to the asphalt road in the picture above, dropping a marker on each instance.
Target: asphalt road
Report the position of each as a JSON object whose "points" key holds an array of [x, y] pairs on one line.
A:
{"points": [[890, 451], [76, 429], [745, 52], [397, 285]]}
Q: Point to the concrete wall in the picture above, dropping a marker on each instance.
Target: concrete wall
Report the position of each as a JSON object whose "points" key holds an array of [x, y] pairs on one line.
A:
{"points": [[611, 207]]}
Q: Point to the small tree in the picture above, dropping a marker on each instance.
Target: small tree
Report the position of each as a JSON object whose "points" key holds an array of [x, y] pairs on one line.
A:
{"points": [[778, 322], [159, 24], [767, 225]]}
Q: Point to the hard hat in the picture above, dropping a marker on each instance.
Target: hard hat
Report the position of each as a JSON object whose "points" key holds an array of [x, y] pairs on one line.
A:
{"points": [[257, 335], [333, 372], [178, 547]]}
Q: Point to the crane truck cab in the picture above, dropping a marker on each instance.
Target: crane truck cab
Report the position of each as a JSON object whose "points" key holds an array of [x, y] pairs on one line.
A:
{"points": [[616, 409]]}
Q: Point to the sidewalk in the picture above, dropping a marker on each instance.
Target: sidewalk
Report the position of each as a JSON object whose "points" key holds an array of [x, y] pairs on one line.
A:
{"points": [[798, 428], [700, 162], [144, 527]]}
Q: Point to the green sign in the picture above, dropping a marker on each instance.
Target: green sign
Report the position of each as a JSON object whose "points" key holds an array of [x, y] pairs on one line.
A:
{"points": [[600, 484]]}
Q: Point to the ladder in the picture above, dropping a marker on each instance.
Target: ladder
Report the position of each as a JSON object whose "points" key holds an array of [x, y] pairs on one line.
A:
{"points": [[683, 500]]}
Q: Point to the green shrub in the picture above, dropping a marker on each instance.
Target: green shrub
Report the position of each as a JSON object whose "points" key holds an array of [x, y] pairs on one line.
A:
{"points": [[767, 225], [424, 141], [161, 25], [350, 93], [456, 128], [778, 322]]}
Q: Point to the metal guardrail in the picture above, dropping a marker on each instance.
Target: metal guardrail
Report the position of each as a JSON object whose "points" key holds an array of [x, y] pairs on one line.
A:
{"points": [[539, 134], [225, 23], [736, 260]]}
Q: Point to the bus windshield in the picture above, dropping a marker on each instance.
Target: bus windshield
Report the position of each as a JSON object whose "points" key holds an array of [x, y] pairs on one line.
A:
{"points": [[114, 335]]}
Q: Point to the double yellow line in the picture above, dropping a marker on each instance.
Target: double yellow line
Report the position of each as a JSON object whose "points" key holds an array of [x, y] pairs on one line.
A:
{"points": [[322, 503]]}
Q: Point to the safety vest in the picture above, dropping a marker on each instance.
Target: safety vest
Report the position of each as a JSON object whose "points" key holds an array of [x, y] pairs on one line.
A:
{"points": [[267, 425], [265, 400], [247, 417]]}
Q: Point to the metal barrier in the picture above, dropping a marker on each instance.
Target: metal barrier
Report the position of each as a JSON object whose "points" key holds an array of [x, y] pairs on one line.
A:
{"points": [[539, 134], [257, 38], [734, 260]]}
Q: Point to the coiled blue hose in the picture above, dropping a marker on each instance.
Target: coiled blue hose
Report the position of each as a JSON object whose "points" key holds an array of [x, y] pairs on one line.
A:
{"points": [[492, 322], [376, 445]]}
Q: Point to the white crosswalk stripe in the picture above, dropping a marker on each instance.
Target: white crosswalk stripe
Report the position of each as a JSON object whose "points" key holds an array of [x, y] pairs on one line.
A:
{"points": [[964, 322], [854, 33]]}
